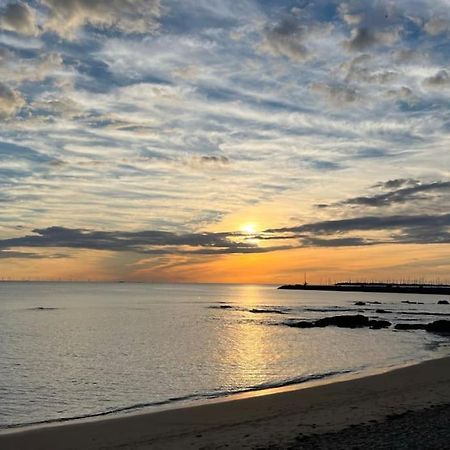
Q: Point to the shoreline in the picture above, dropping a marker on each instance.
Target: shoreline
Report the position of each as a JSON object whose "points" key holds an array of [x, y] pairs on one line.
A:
{"points": [[328, 406], [282, 386]]}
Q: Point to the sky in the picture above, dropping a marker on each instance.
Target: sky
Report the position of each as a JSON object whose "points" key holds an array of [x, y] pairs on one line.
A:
{"points": [[224, 141]]}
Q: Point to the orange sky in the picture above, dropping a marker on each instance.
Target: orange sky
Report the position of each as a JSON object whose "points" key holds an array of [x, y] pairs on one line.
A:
{"points": [[321, 266]]}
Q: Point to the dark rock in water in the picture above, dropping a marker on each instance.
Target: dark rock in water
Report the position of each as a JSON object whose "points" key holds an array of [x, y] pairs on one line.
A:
{"points": [[409, 302], [378, 324], [360, 303], [356, 321], [300, 324], [410, 326], [374, 303], [225, 307], [443, 302], [439, 326], [266, 311], [382, 311]]}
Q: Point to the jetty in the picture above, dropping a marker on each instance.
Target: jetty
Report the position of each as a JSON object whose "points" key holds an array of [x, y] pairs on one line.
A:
{"points": [[397, 288]]}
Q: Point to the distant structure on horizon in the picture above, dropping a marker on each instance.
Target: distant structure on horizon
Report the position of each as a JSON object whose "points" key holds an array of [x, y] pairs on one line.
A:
{"points": [[376, 286]]}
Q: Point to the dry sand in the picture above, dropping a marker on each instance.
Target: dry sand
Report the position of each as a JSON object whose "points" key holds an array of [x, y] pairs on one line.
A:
{"points": [[404, 408]]}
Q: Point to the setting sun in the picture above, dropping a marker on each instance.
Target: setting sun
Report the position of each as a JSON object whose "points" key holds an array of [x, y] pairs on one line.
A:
{"points": [[249, 228]]}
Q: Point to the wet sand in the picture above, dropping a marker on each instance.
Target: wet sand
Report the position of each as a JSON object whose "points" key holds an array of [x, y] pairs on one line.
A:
{"points": [[404, 408]]}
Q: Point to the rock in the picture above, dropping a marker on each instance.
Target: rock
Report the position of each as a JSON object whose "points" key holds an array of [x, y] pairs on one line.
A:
{"points": [[360, 303], [378, 324], [300, 324], [356, 321], [266, 311], [374, 303], [439, 326], [382, 311], [443, 302], [410, 326], [409, 302]]}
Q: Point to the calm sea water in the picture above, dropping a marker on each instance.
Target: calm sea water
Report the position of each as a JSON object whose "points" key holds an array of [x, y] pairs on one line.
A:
{"points": [[82, 349]]}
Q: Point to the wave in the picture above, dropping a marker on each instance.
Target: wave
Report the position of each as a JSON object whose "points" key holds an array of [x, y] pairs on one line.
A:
{"points": [[42, 308], [186, 398], [331, 309]]}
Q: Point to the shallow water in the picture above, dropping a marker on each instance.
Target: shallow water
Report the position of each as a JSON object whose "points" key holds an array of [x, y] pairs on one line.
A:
{"points": [[82, 349]]}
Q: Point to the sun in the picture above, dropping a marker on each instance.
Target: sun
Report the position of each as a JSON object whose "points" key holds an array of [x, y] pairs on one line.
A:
{"points": [[249, 228]]}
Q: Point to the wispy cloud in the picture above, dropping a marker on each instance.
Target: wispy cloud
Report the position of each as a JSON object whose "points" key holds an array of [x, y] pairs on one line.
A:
{"points": [[183, 116]]}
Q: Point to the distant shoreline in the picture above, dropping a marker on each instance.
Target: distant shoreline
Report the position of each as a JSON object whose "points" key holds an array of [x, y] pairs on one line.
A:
{"points": [[389, 288]]}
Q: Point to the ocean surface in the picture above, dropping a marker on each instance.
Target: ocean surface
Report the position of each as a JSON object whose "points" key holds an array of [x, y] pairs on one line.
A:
{"points": [[71, 350]]}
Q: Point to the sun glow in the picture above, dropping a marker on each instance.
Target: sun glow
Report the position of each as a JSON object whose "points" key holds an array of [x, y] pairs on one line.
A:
{"points": [[249, 228]]}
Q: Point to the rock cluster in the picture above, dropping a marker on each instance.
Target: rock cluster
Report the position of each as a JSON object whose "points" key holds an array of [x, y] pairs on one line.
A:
{"points": [[360, 321], [348, 321]]}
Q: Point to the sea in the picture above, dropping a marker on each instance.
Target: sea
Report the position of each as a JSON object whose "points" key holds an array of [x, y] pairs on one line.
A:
{"points": [[80, 350]]}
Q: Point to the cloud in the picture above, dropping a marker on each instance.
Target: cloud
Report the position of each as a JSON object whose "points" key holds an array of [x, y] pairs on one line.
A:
{"points": [[396, 183], [400, 191], [286, 38], [372, 24], [363, 38], [150, 242], [437, 25], [208, 162], [26, 255], [438, 80], [402, 195], [396, 229], [17, 70], [10, 101], [20, 18], [129, 16], [336, 94], [358, 71]]}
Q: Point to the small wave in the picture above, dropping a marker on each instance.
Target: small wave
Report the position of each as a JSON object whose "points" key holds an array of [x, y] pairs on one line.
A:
{"points": [[186, 398], [423, 313], [330, 309], [42, 308], [221, 307]]}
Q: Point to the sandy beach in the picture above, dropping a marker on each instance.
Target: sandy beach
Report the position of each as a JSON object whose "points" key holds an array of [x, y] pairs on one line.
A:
{"points": [[385, 410]]}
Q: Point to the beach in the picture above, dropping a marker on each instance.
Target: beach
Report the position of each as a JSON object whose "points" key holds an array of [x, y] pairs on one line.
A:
{"points": [[357, 412]]}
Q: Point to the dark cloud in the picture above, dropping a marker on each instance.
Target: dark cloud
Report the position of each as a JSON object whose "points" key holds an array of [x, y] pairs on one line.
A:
{"points": [[18, 17], [362, 38], [372, 24], [286, 38], [8, 254], [145, 242], [338, 242], [403, 191], [439, 79], [411, 229], [396, 183]]}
